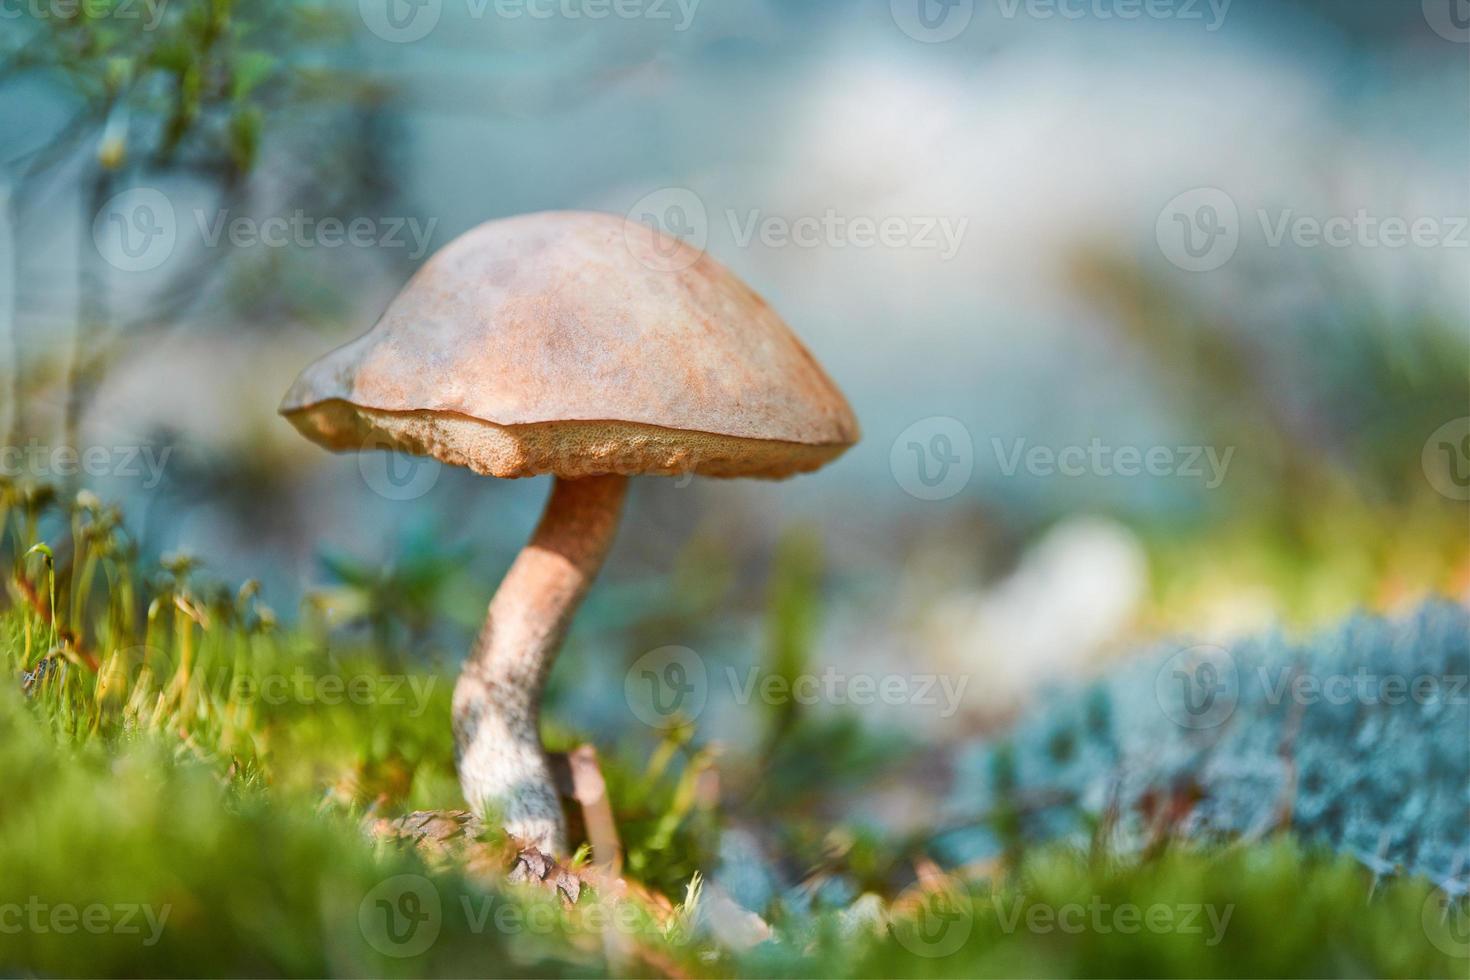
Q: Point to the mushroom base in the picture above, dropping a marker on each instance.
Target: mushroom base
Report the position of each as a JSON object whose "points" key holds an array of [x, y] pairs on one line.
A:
{"points": [[503, 769]]}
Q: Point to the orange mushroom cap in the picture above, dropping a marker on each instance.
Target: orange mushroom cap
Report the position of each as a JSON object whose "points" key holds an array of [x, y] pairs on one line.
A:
{"points": [[577, 344]]}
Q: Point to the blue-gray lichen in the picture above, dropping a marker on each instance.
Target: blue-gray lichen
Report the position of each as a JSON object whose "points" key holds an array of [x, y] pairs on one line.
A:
{"points": [[1358, 738]]}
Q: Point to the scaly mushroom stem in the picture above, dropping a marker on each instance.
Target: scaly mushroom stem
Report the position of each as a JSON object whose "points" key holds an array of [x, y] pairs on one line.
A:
{"points": [[502, 767]]}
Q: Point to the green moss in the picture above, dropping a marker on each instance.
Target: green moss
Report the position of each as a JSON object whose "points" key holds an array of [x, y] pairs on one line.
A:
{"points": [[184, 783]]}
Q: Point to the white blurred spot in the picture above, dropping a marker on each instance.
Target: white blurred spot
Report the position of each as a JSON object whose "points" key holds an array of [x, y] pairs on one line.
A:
{"points": [[1073, 593]]}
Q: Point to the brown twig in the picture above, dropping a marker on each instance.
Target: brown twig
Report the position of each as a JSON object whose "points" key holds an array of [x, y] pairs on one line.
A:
{"points": [[590, 790]]}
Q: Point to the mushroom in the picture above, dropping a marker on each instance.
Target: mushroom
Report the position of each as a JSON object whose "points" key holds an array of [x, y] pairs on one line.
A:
{"points": [[590, 348]]}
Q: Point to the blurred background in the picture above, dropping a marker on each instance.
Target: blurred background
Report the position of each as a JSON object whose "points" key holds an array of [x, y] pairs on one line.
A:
{"points": [[1154, 316]]}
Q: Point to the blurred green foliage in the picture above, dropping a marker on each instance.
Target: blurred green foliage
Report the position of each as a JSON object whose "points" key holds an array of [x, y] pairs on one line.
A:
{"points": [[173, 82], [176, 96]]}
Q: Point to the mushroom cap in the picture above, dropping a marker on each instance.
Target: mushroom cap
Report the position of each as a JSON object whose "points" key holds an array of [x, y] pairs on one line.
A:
{"points": [[578, 344]]}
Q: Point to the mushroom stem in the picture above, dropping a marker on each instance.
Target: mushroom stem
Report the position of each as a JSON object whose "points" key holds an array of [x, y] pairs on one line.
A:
{"points": [[497, 700]]}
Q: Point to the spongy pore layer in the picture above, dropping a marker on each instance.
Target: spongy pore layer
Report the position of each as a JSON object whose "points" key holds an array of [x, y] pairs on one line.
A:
{"points": [[569, 449]]}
